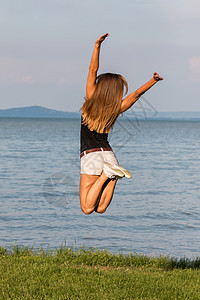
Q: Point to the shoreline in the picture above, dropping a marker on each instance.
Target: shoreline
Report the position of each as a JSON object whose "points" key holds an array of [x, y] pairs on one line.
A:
{"points": [[93, 256]]}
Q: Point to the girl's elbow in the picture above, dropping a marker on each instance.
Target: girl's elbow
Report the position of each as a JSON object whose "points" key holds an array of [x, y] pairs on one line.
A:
{"points": [[138, 94]]}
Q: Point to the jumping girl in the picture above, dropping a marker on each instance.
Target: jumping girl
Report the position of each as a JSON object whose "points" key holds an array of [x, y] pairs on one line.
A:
{"points": [[103, 104]]}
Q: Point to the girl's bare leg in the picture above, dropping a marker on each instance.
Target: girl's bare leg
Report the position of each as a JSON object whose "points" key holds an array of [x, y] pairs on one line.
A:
{"points": [[106, 196], [95, 192]]}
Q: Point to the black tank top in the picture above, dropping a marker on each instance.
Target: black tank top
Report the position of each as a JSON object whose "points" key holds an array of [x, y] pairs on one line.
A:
{"points": [[92, 139]]}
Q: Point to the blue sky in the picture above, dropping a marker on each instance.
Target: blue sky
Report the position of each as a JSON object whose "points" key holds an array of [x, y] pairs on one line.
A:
{"points": [[46, 47]]}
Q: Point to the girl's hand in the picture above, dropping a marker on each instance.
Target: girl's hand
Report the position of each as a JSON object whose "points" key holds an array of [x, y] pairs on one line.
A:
{"points": [[101, 39], [157, 77]]}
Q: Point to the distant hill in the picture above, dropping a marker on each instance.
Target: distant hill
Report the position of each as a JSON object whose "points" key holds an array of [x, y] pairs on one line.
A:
{"points": [[43, 112], [36, 112]]}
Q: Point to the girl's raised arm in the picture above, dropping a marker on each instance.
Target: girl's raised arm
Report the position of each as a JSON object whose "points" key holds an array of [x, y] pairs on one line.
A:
{"points": [[94, 66], [133, 97]]}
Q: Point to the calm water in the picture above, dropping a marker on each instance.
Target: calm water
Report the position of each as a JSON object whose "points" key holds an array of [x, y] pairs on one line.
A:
{"points": [[157, 210]]}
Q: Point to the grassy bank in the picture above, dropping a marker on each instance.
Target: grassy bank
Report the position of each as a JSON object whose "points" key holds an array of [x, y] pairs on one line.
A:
{"points": [[89, 274]]}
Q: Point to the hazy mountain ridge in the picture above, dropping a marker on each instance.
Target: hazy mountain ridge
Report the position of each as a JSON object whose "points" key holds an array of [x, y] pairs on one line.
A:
{"points": [[43, 112], [36, 112]]}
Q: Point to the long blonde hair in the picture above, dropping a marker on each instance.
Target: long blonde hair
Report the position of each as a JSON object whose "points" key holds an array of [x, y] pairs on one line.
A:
{"points": [[101, 110]]}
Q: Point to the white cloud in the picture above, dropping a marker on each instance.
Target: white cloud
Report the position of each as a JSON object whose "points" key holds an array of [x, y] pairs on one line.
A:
{"points": [[194, 66], [26, 79], [28, 71], [190, 11], [14, 70], [181, 11]]}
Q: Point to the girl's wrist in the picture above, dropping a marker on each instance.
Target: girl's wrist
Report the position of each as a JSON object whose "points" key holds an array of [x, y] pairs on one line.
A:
{"points": [[97, 45], [155, 80]]}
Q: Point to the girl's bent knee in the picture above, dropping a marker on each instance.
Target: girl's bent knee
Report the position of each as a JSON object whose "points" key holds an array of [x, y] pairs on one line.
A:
{"points": [[100, 210], [87, 211]]}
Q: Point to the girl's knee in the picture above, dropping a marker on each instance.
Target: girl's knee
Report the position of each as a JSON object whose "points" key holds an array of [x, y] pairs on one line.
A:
{"points": [[100, 210], [87, 211]]}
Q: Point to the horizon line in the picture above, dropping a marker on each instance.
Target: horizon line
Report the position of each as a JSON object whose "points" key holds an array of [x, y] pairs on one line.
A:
{"points": [[183, 111]]}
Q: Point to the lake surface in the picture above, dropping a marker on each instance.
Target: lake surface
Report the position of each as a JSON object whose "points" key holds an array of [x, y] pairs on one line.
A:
{"points": [[155, 212]]}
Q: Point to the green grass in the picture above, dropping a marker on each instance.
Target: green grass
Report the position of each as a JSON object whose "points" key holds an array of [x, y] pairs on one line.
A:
{"points": [[91, 274]]}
